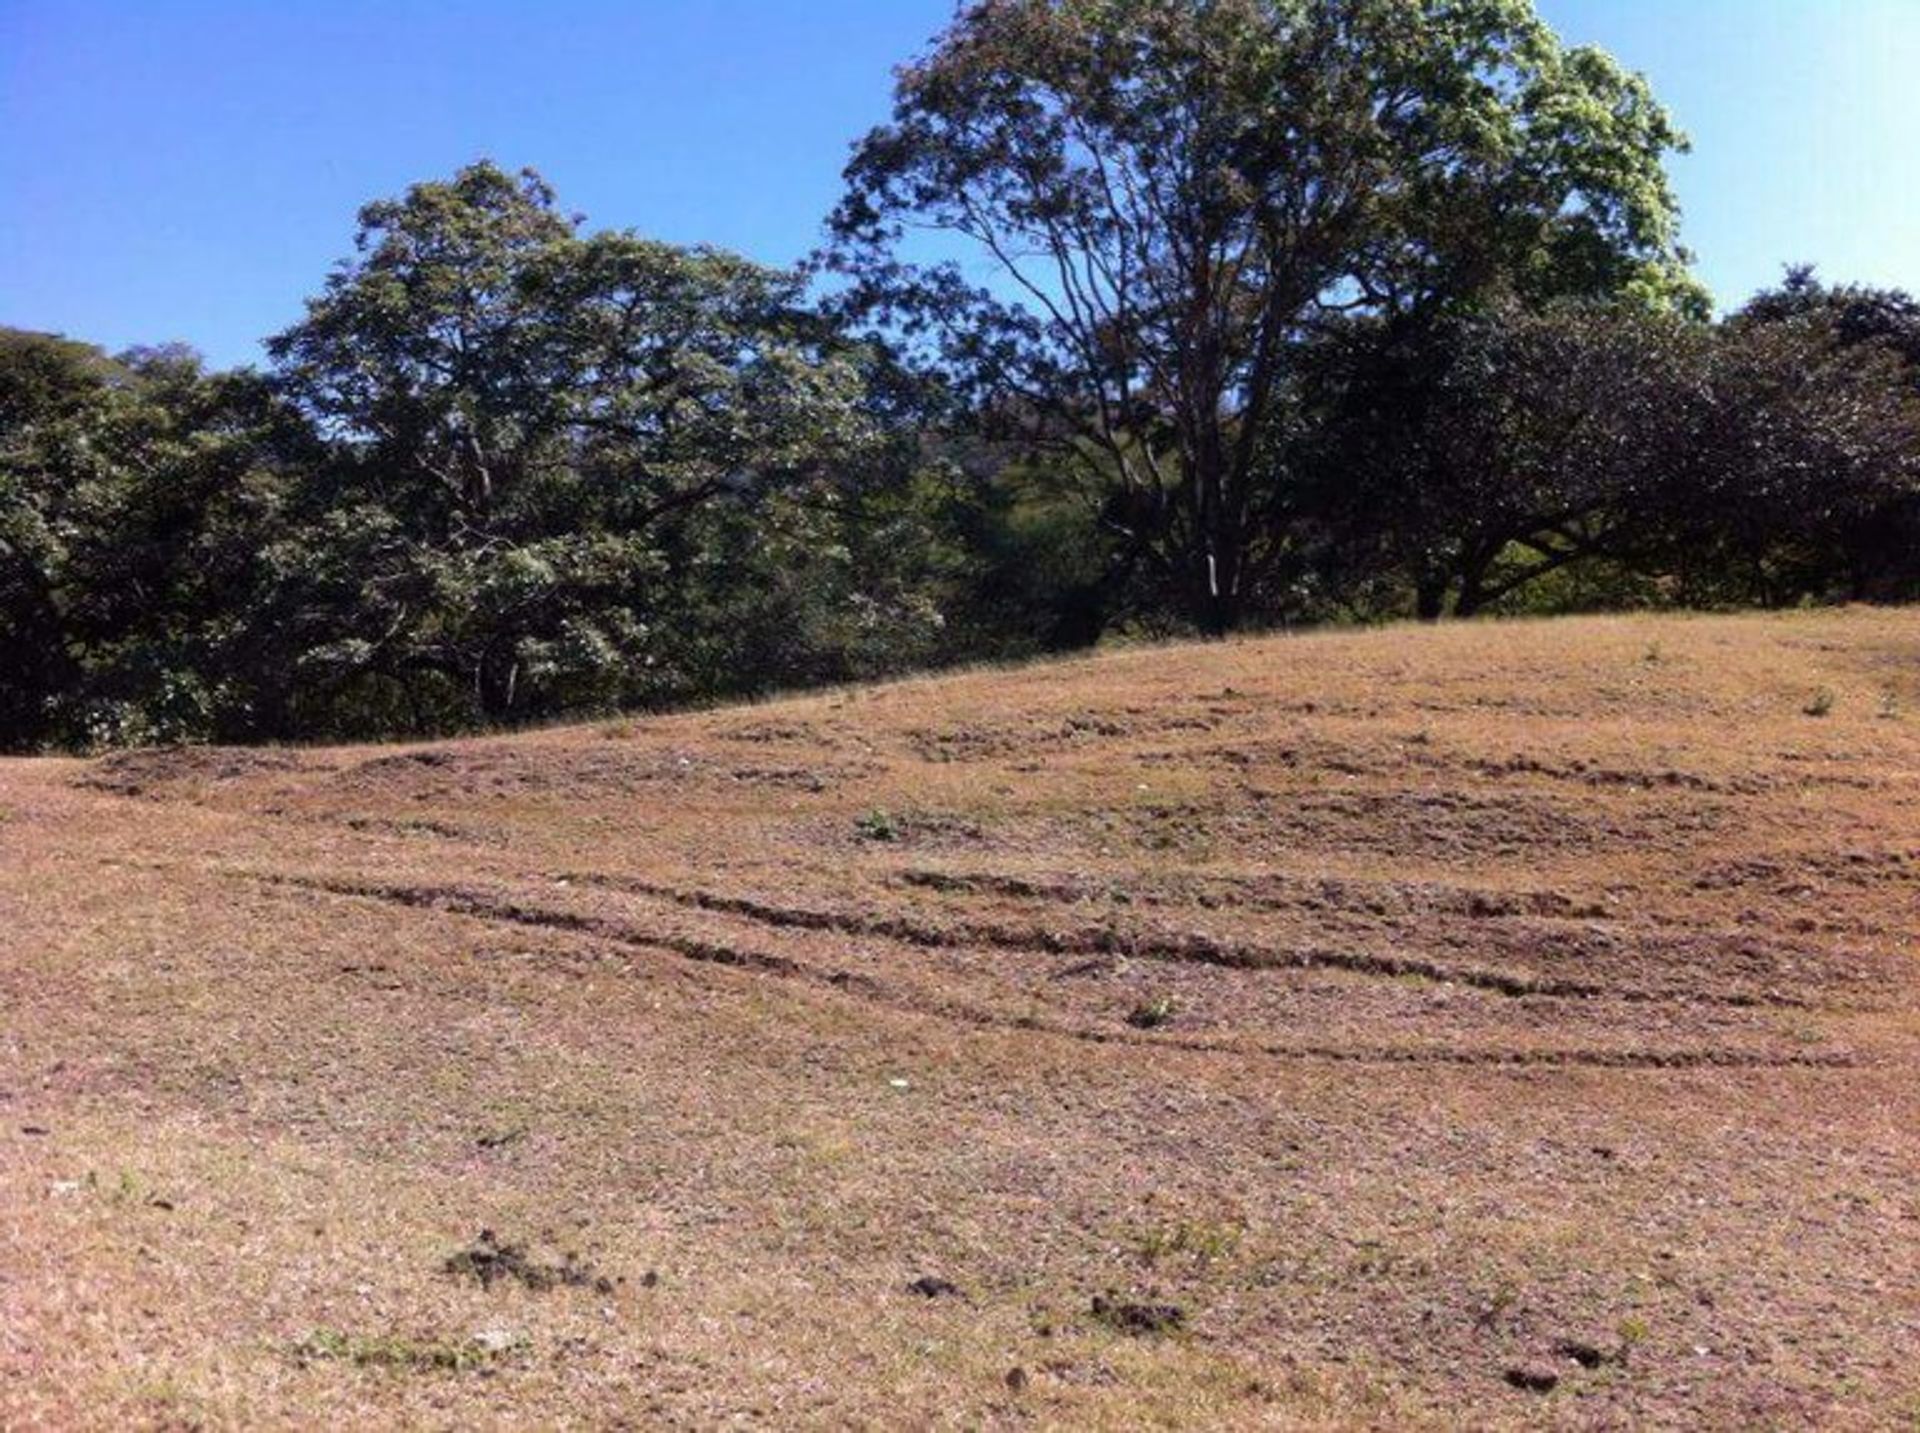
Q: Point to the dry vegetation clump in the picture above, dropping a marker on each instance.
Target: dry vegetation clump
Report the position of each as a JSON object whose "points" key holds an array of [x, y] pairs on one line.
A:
{"points": [[1484, 1025]]}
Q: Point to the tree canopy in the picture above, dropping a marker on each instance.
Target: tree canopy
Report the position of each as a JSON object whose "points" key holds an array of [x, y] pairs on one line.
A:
{"points": [[522, 410], [1176, 195], [1139, 316]]}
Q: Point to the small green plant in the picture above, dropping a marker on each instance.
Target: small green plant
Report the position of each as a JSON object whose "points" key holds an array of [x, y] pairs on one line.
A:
{"points": [[125, 1188], [877, 825], [1202, 1241], [1633, 1331], [1821, 703], [395, 1351], [1152, 1014], [1496, 1306]]}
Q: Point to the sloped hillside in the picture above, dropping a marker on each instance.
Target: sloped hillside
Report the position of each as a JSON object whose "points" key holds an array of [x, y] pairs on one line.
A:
{"points": [[1491, 1024]]}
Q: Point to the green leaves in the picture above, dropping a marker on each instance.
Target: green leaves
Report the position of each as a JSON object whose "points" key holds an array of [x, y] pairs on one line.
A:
{"points": [[1286, 306], [1177, 195], [531, 417]]}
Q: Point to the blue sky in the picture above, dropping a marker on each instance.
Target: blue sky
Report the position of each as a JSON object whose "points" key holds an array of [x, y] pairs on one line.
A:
{"points": [[189, 169]]}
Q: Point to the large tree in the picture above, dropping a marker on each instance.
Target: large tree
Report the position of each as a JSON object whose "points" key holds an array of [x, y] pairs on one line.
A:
{"points": [[525, 413], [1854, 316], [1173, 194], [1804, 479], [135, 496], [1861, 325], [1764, 460], [1471, 455], [49, 389]]}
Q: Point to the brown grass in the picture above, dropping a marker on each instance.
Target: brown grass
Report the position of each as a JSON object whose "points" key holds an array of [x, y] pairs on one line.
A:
{"points": [[1357, 1029]]}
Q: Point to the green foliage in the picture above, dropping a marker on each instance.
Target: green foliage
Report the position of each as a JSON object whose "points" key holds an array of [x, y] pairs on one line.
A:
{"points": [[1830, 379], [401, 1353], [877, 826], [1583, 457], [1175, 194], [132, 508], [51, 393], [1481, 453], [1307, 310], [1590, 584], [1152, 1014], [1201, 1242], [540, 433]]}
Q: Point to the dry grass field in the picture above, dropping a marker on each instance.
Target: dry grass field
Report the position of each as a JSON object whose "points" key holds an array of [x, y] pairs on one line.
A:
{"points": [[1493, 1025]]}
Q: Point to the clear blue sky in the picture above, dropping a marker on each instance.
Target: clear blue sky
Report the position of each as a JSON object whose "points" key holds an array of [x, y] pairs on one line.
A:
{"points": [[189, 169]]}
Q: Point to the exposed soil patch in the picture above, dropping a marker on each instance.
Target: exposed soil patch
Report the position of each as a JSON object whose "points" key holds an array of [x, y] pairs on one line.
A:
{"points": [[1139, 1320], [601, 770], [1268, 891], [905, 995], [489, 1261], [931, 1286], [164, 771]]}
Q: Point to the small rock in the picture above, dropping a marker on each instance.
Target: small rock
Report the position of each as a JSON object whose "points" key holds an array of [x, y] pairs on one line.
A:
{"points": [[496, 1340], [1532, 1378]]}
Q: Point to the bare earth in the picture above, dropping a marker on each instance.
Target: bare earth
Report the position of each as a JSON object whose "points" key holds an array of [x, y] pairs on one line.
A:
{"points": [[1494, 1025]]}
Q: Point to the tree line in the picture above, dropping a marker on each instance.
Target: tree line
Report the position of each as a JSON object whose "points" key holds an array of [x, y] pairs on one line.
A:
{"points": [[1137, 316]]}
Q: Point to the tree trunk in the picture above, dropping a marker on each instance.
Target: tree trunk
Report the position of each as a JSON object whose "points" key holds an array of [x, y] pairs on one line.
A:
{"points": [[1220, 615], [495, 678], [1471, 599], [1473, 584], [1218, 605]]}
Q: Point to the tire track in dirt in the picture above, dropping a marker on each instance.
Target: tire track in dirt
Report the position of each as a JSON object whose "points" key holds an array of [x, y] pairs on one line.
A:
{"points": [[1191, 949], [1273, 892], [1750, 969], [464, 901]]}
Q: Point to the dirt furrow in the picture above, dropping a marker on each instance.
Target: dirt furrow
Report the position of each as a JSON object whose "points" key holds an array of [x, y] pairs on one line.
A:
{"points": [[477, 905], [1186, 948]]}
